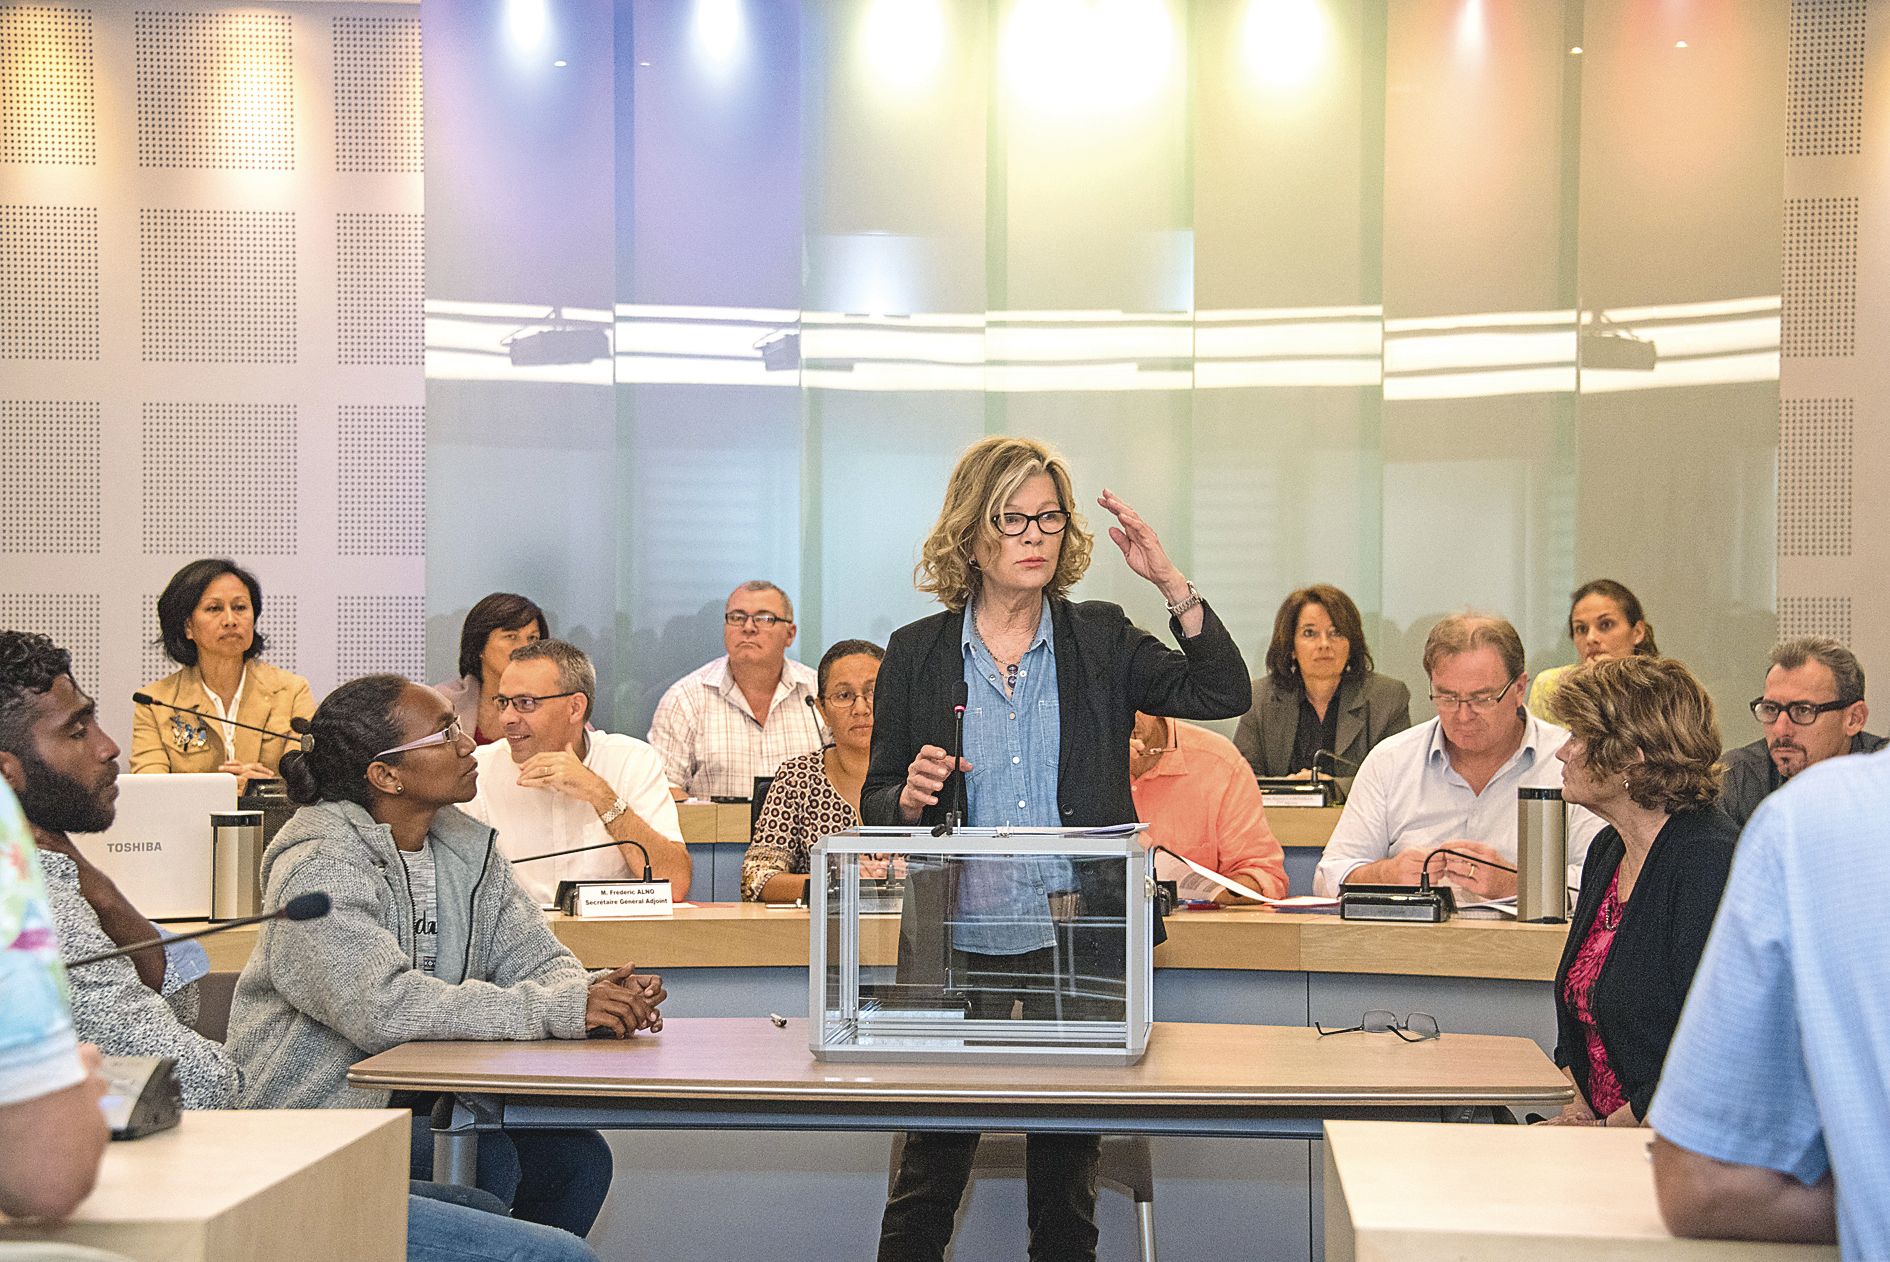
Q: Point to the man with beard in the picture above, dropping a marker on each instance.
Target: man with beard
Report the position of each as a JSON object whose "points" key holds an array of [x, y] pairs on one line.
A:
{"points": [[64, 770], [1812, 709]]}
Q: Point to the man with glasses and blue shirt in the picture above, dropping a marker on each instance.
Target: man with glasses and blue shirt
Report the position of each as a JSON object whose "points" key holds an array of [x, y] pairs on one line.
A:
{"points": [[552, 784], [1451, 783], [745, 713], [1812, 709]]}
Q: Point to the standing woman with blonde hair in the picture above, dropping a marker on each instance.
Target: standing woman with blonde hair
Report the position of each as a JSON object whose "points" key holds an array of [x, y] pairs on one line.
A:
{"points": [[1054, 685]]}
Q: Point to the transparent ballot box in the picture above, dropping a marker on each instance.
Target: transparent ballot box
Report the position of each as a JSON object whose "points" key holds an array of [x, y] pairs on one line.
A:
{"points": [[1023, 943]]}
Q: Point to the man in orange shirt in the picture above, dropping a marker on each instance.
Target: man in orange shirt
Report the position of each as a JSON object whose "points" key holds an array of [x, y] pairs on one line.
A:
{"points": [[1198, 797]]}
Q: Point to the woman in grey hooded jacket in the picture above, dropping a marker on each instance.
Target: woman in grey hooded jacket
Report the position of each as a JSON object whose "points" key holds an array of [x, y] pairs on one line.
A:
{"points": [[429, 937]]}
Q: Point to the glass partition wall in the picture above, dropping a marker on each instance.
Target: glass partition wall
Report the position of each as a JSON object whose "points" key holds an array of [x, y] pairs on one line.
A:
{"points": [[1447, 302]]}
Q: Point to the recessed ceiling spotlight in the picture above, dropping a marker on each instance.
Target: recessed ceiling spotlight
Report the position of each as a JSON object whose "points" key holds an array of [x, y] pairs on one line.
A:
{"points": [[1575, 51], [1679, 43], [561, 62]]}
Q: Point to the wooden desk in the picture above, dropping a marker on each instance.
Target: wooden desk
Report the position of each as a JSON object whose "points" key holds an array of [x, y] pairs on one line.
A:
{"points": [[726, 822], [308, 1184], [747, 935], [1307, 826], [744, 1073], [1403, 1193]]}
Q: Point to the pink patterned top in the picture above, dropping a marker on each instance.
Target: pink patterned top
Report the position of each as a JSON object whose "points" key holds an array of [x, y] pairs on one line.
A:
{"points": [[1604, 1089]]}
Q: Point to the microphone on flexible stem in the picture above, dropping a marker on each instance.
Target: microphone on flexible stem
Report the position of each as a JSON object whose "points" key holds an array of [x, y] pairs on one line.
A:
{"points": [[301, 907], [1424, 870], [956, 812], [602, 845], [299, 724], [1332, 759], [826, 738]]}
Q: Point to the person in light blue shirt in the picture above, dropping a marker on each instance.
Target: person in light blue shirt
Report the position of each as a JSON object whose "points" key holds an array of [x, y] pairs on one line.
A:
{"points": [[1003, 907], [1772, 1108]]}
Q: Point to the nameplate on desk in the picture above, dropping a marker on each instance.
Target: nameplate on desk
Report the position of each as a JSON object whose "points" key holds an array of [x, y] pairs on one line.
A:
{"points": [[1292, 791], [615, 898]]}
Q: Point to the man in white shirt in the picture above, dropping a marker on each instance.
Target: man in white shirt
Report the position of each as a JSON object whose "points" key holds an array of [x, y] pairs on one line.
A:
{"points": [[552, 785], [746, 712], [1452, 782]]}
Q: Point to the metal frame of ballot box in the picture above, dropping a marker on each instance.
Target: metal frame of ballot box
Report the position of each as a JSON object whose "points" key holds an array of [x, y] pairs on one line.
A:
{"points": [[848, 1022]]}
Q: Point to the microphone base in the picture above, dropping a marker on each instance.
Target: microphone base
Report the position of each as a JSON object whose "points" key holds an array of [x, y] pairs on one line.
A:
{"points": [[1404, 903]]}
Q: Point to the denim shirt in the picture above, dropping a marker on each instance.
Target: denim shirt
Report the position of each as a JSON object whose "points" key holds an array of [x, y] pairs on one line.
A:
{"points": [[1013, 743]]}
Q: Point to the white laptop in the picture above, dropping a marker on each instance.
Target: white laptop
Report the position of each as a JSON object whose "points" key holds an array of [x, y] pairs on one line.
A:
{"points": [[158, 849]]}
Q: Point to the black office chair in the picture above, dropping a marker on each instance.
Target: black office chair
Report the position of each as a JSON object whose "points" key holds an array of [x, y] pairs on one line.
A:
{"points": [[1124, 1167]]}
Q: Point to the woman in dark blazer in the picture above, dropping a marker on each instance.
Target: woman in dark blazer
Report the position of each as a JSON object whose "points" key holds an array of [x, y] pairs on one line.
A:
{"points": [[1051, 689], [1320, 692], [1642, 753]]}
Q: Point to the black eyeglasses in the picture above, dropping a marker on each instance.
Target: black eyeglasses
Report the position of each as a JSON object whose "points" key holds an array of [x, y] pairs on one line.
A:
{"points": [[1415, 1027], [1051, 521], [1803, 713], [843, 698], [526, 704], [741, 618], [1481, 702]]}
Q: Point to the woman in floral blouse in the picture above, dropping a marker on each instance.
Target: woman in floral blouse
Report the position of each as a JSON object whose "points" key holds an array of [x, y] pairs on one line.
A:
{"points": [[817, 794]]}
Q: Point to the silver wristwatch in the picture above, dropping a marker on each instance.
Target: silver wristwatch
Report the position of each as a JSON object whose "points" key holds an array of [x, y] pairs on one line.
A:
{"points": [[617, 808], [1182, 606]]}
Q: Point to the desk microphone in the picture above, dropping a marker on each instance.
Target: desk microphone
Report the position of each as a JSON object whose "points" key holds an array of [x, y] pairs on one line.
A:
{"points": [[1424, 871], [601, 845], [826, 738], [1332, 759], [301, 907], [299, 724], [955, 813]]}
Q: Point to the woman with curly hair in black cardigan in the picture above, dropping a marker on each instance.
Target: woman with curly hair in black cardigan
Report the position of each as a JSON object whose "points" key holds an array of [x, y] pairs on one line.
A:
{"points": [[1642, 753]]}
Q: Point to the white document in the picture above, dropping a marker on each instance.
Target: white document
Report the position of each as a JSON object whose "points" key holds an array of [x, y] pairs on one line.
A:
{"points": [[1197, 883]]}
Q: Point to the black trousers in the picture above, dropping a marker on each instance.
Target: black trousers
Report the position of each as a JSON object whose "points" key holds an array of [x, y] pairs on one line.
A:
{"points": [[1059, 1169]]}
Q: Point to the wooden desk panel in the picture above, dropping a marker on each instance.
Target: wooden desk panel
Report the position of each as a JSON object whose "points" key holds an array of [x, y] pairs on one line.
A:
{"points": [[310, 1184], [1188, 1064], [1411, 1192], [747, 935], [1304, 825], [705, 822]]}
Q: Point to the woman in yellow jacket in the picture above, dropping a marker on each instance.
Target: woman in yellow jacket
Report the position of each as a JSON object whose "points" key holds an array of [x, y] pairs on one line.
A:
{"points": [[207, 617]]}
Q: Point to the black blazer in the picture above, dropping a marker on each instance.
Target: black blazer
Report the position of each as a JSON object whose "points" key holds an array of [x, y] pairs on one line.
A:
{"points": [[1637, 998], [1107, 669], [1371, 707]]}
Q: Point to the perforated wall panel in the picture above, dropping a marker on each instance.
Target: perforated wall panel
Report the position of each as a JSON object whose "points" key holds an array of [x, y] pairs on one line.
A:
{"points": [[196, 196], [195, 503], [49, 476], [217, 286], [215, 90], [380, 289], [70, 619], [377, 94], [1815, 615], [1824, 110], [1819, 315], [48, 107], [48, 282], [381, 482], [380, 633], [1815, 459]]}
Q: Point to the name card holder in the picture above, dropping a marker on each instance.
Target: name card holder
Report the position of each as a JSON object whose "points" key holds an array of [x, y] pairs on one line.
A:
{"points": [[609, 900]]}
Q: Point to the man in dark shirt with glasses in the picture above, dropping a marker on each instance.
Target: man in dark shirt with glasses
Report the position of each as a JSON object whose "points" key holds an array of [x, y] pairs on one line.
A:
{"points": [[1812, 709]]}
